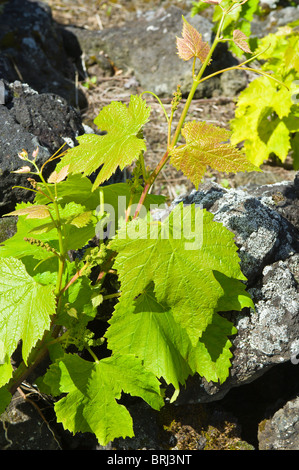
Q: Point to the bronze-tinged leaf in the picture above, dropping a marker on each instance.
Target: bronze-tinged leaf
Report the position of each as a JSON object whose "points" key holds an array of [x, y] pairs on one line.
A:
{"points": [[32, 212], [60, 176], [23, 169], [240, 39], [207, 145], [212, 2], [191, 44]]}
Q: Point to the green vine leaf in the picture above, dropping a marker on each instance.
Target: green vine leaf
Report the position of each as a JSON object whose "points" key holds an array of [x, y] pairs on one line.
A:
{"points": [[191, 44], [74, 189], [206, 146], [78, 229], [25, 307], [5, 398], [147, 329], [6, 371], [120, 146], [266, 125], [92, 390], [267, 115], [179, 262]]}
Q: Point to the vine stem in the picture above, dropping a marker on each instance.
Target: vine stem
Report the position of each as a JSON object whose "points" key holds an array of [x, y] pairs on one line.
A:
{"points": [[36, 356], [40, 351], [152, 178], [196, 81]]}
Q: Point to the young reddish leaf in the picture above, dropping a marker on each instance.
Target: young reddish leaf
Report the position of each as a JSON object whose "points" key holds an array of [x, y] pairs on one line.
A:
{"points": [[240, 39], [60, 176], [206, 145], [192, 45], [212, 2], [23, 169], [32, 212]]}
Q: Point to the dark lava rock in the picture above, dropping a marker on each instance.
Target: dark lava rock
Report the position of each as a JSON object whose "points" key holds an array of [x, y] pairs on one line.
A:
{"points": [[146, 47], [22, 427], [29, 120], [283, 197], [281, 431], [34, 50], [268, 249]]}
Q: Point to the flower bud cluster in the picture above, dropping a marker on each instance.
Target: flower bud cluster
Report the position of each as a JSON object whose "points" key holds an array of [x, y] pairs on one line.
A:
{"points": [[46, 246]]}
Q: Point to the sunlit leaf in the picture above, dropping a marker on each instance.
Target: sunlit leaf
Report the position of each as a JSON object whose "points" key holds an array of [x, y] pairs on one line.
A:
{"points": [[32, 212], [25, 307], [241, 40], [57, 177], [207, 145], [191, 44], [119, 147]]}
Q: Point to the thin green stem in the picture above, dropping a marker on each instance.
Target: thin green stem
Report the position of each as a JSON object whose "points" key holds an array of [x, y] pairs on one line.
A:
{"points": [[159, 101], [111, 296], [196, 82], [183, 116], [240, 67], [102, 203], [92, 354], [265, 74], [27, 189], [169, 128], [152, 178], [36, 356], [172, 144], [61, 260]]}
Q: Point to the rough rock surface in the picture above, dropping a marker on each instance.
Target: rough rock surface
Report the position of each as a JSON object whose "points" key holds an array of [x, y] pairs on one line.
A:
{"points": [[276, 19], [22, 428], [281, 432], [283, 197], [146, 47], [32, 50], [30, 120], [268, 249]]}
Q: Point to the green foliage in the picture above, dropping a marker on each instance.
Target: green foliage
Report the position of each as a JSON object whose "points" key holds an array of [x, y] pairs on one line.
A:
{"points": [[92, 389], [157, 288], [26, 307], [267, 115], [153, 335], [120, 146], [178, 261]]}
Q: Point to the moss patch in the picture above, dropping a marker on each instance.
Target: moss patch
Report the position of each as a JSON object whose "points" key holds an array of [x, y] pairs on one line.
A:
{"points": [[199, 427]]}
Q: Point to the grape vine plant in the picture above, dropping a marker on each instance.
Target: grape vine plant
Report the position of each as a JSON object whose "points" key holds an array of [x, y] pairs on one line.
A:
{"points": [[171, 278]]}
